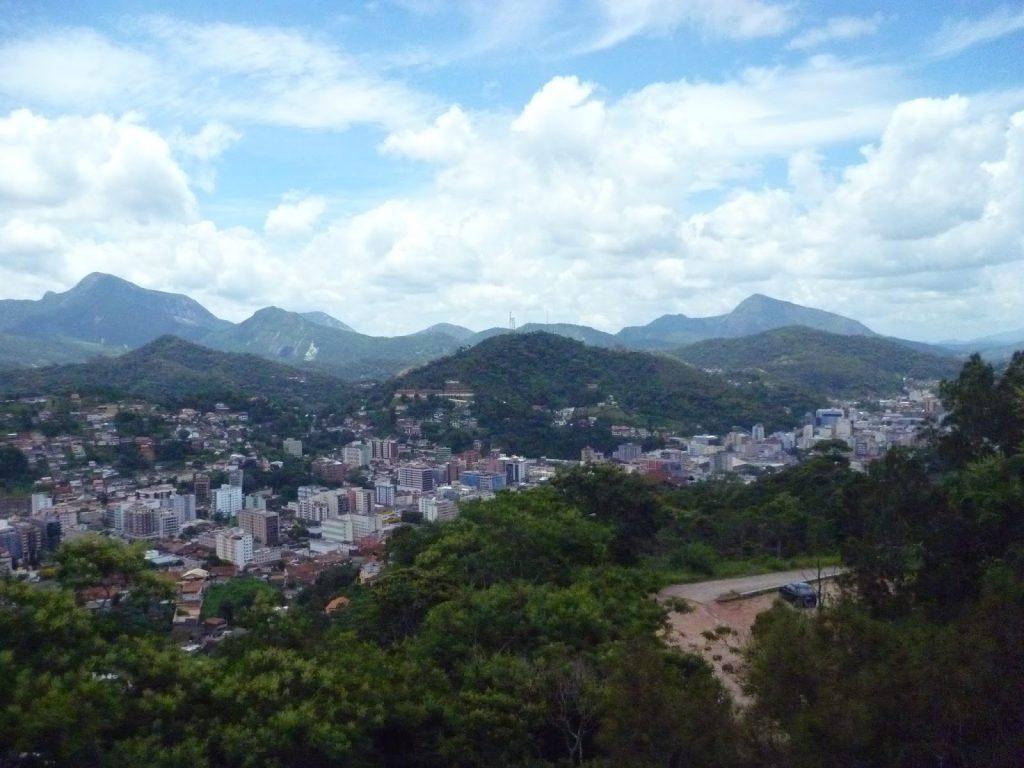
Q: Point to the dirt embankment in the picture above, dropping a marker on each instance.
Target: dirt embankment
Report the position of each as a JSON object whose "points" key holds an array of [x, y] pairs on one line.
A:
{"points": [[718, 632]]}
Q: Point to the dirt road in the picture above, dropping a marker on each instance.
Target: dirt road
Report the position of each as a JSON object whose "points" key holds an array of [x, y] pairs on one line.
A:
{"points": [[719, 630]]}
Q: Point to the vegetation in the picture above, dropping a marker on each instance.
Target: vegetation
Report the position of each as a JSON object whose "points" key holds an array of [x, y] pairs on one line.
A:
{"points": [[523, 634], [519, 379], [178, 373], [843, 366]]}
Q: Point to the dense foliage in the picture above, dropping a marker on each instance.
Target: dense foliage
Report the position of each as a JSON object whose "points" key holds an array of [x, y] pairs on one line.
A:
{"points": [[522, 634], [518, 379], [843, 366], [178, 373]]}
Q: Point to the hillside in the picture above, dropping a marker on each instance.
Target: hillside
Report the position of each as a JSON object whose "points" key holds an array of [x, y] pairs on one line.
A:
{"points": [[754, 314], [103, 309], [27, 352], [519, 379], [841, 366], [176, 372], [322, 318], [291, 338]]}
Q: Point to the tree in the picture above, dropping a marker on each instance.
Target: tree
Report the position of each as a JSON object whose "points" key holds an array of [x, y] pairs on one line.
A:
{"points": [[630, 504], [14, 467]]}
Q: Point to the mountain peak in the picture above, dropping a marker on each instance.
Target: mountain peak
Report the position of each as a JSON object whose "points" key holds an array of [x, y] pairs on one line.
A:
{"points": [[101, 281], [326, 320]]}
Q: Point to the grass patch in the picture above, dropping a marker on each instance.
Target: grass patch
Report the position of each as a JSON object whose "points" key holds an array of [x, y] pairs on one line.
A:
{"points": [[227, 600]]}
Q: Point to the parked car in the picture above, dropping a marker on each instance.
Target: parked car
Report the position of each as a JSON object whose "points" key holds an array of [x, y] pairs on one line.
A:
{"points": [[799, 593]]}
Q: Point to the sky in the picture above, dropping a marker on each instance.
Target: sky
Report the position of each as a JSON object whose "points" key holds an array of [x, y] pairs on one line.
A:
{"points": [[398, 163]]}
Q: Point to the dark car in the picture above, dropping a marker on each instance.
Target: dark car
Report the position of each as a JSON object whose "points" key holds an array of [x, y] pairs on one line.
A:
{"points": [[799, 593]]}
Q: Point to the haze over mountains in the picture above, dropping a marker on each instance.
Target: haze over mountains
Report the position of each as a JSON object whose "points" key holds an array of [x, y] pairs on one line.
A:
{"points": [[105, 314]]}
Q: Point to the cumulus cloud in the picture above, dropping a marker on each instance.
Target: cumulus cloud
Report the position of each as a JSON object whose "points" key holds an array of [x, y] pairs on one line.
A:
{"points": [[212, 140], [296, 216], [73, 168], [446, 139], [579, 206], [590, 218], [837, 28]]}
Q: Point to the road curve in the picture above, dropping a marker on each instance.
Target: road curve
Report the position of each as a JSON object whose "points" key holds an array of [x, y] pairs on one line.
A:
{"points": [[708, 591]]}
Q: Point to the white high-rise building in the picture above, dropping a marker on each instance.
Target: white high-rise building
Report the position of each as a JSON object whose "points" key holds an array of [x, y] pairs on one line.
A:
{"points": [[356, 454], [438, 510], [227, 500], [41, 501], [184, 505], [235, 546], [385, 494], [350, 528]]}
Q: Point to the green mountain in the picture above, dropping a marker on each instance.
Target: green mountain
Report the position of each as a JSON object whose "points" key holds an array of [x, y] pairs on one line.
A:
{"points": [[457, 332], [520, 380], [842, 366], [754, 314], [582, 333], [322, 318], [289, 337], [103, 309], [176, 372], [28, 352]]}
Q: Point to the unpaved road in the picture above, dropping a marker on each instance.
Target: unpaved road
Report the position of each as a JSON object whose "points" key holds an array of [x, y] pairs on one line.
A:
{"points": [[719, 630], [706, 591]]}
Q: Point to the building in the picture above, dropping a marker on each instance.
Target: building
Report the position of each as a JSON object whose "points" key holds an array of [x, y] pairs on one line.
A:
{"points": [[254, 501], [201, 487], [360, 501], [437, 510], [235, 546], [227, 500], [263, 526], [49, 532], [184, 505], [293, 447], [627, 452], [141, 521], [383, 450], [416, 477], [169, 524], [350, 528], [356, 454], [384, 493], [330, 470], [41, 501], [235, 477], [483, 481], [515, 469]]}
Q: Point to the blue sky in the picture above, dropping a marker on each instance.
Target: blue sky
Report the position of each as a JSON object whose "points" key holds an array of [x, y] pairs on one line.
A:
{"points": [[408, 162]]}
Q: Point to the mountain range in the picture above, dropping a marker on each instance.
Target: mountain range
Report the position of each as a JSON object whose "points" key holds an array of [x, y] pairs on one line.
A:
{"points": [[842, 366], [106, 315]]}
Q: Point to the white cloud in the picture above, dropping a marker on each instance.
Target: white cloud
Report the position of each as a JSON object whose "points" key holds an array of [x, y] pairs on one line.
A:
{"points": [[837, 28], [75, 68], [213, 73], [445, 140], [210, 142], [294, 217], [580, 206], [77, 168], [732, 19], [957, 36]]}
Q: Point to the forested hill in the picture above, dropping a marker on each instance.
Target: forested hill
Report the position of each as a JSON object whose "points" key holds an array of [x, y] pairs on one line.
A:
{"points": [[172, 371], [842, 366], [518, 374]]}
